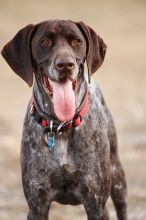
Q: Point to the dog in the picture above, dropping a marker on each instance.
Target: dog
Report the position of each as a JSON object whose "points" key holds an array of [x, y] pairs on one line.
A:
{"points": [[69, 144]]}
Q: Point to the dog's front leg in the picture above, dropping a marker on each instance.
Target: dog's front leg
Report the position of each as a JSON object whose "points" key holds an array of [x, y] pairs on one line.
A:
{"points": [[39, 213], [119, 186], [94, 209], [35, 165], [38, 194]]}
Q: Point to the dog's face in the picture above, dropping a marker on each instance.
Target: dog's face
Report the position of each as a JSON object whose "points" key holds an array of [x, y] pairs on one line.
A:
{"points": [[59, 50], [55, 51]]}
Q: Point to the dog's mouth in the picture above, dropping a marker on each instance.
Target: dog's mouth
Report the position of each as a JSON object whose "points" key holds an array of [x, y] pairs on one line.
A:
{"points": [[48, 84], [63, 96]]}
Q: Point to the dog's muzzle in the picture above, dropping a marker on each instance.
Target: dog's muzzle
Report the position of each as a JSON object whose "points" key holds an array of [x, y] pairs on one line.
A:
{"points": [[65, 66]]}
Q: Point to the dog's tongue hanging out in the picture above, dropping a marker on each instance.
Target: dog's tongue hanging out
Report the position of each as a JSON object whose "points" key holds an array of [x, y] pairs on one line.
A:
{"points": [[63, 100]]}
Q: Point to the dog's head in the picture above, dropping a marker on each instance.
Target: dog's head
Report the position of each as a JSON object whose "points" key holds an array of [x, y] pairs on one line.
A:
{"points": [[55, 51]]}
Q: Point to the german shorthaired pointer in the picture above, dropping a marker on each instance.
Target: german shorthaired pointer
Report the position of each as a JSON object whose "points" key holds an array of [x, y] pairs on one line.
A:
{"points": [[69, 146]]}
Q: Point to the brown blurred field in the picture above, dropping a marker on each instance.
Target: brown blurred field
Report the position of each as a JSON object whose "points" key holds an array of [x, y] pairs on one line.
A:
{"points": [[122, 24]]}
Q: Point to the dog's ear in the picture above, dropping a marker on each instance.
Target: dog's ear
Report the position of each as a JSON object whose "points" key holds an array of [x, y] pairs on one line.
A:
{"points": [[96, 48], [17, 54]]}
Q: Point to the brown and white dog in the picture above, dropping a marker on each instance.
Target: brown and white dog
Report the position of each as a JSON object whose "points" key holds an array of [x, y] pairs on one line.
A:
{"points": [[69, 145]]}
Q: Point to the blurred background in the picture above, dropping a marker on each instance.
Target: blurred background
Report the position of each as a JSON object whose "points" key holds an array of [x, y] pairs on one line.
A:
{"points": [[122, 77]]}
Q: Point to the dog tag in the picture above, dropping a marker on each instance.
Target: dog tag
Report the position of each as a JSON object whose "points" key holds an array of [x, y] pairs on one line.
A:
{"points": [[51, 140]]}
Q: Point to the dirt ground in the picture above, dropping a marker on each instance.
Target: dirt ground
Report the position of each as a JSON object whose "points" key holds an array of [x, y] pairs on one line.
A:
{"points": [[122, 24]]}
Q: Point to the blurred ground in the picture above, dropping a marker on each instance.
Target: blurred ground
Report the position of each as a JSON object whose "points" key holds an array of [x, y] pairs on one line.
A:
{"points": [[122, 78]]}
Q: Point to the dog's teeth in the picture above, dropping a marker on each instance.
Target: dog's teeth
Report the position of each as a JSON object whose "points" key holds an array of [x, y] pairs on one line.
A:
{"points": [[50, 81]]}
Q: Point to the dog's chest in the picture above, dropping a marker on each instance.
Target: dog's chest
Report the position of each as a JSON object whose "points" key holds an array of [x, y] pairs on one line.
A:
{"points": [[61, 150]]}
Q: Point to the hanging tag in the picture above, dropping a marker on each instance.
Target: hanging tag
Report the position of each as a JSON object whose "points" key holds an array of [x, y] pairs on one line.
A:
{"points": [[51, 140]]}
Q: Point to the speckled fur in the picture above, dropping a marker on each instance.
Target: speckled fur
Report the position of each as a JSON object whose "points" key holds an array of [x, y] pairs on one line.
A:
{"points": [[84, 167], [78, 172]]}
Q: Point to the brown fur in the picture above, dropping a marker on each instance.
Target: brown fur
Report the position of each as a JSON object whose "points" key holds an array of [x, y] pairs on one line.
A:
{"points": [[84, 167]]}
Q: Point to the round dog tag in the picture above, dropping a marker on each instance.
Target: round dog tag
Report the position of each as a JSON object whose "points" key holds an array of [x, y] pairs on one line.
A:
{"points": [[51, 140]]}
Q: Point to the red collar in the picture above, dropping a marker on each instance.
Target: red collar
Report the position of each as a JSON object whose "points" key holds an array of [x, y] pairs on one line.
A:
{"points": [[45, 123]]}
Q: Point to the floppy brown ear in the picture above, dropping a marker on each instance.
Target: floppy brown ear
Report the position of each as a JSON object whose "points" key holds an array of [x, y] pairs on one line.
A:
{"points": [[96, 48], [17, 54]]}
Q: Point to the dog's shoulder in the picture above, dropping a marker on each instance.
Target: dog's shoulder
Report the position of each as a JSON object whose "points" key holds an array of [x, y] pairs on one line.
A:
{"points": [[95, 92], [97, 101]]}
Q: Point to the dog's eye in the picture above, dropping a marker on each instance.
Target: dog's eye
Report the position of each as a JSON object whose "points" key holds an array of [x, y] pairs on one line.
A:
{"points": [[76, 42], [46, 42]]}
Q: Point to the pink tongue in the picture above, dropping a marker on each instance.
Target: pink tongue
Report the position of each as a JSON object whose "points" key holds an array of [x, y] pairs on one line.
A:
{"points": [[63, 100]]}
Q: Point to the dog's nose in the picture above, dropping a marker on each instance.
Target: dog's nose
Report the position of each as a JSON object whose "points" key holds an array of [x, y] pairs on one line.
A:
{"points": [[64, 64]]}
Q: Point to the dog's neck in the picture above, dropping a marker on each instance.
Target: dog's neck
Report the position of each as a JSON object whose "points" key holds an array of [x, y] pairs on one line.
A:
{"points": [[45, 102]]}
